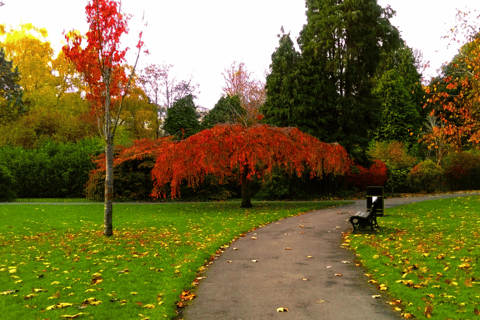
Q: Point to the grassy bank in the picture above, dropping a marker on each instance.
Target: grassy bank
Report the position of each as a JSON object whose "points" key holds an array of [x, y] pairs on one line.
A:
{"points": [[426, 256], [55, 262]]}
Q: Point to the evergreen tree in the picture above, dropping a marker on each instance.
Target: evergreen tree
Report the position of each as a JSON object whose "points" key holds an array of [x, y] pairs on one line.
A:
{"points": [[340, 46], [398, 87], [400, 118], [182, 118], [11, 104], [227, 110]]}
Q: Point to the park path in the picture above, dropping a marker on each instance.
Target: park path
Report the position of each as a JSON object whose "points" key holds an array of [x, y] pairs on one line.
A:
{"points": [[238, 288]]}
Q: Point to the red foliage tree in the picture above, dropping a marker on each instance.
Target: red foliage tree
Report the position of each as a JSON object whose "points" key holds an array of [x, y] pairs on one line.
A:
{"points": [[102, 64], [239, 152], [456, 98]]}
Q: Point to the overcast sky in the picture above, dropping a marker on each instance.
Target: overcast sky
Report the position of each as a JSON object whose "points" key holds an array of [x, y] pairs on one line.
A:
{"points": [[202, 38]]}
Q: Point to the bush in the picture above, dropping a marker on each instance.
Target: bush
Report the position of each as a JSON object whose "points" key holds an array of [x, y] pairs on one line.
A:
{"points": [[361, 177], [7, 185], [54, 170], [399, 163], [426, 176], [462, 170], [275, 187]]}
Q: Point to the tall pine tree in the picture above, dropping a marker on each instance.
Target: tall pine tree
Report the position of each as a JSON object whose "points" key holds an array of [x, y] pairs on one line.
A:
{"points": [[340, 49]]}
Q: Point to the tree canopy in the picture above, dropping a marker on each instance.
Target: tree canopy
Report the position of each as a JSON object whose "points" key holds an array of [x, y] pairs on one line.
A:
{"points": [[233, 151], [327, 86], [182, 119]]}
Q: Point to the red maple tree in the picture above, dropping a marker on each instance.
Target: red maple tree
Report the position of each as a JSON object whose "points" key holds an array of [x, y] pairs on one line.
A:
{"points": [[238, 152], [102, 64]]}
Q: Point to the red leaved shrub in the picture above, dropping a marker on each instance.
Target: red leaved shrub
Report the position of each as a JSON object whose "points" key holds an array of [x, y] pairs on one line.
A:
{"points": [[362, 177]]}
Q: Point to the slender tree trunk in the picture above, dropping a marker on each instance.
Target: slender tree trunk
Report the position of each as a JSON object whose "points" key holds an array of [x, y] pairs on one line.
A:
{"points": [[107, 223], [246, 199]]}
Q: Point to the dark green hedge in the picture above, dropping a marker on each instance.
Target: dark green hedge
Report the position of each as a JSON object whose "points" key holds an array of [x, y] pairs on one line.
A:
{"points": [[52, 171]]}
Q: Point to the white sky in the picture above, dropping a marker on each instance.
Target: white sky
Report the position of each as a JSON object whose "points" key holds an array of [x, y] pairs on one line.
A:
{"points": [[202, 38]]}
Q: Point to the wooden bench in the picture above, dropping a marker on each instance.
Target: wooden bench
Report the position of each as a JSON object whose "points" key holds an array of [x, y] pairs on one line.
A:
{"points": [[364, 219]]}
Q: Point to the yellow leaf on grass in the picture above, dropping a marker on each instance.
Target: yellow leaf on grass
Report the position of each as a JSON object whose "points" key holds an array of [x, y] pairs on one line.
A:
{"points": [[66, 316]]}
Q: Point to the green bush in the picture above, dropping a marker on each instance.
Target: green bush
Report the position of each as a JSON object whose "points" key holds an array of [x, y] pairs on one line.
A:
{"points": [[275, 187], [55, 170], [426, 176], [7, 185]]}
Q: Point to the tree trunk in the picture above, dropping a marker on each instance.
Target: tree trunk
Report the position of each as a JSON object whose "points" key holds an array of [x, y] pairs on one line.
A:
{"points": [[246, 199], [107, 223]]}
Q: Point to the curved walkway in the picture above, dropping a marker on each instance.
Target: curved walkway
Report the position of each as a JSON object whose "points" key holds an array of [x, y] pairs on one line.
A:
{"points": [[253, 278]]}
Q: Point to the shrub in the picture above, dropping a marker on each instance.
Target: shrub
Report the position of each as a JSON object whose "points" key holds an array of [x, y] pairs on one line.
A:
{"points": [[426, 176], [361, 177], [275, 187], [7, 185], [55, 170], [462, 170], [399, 163]]}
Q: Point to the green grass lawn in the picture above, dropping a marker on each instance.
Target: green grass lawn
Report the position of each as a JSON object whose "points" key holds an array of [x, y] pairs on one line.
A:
{"points": [[426, 256], [55, 262]]}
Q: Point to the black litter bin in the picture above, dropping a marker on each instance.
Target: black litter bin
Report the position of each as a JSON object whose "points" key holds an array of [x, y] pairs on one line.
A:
{"points": [[376, 193]]}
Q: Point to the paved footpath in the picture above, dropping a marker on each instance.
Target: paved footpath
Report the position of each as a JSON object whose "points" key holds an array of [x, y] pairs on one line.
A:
{"points": [[237, 288]]}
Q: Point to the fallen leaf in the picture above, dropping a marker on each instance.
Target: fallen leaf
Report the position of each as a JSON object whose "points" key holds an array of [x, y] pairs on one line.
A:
{"points": [[282, 309], [254, 238], [345, 261], [305, 279], [149, 306], [66, 316], [375, 296], [428, 311], [308, 257], [338, 274], [254, 260], [320, 301], [38, 290], [288, 248]]}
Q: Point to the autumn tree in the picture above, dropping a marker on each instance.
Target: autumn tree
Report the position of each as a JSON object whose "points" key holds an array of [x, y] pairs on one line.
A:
{"points": [[139, 115], [454, 97], [27, 46], [251, 91], [101, 63], [233, 151]]}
